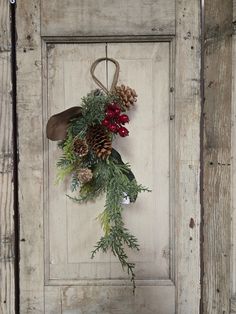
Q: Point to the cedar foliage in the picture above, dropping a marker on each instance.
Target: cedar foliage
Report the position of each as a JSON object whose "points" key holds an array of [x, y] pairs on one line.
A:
{"points": [[110, 176]]}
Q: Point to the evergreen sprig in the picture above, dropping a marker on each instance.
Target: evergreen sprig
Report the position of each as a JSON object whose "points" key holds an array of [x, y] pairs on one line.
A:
{"points": [[111, 176], [116, 235], [92, 110]]}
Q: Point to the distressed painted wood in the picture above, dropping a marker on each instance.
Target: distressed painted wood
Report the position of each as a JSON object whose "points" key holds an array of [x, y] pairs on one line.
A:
{"points": [[233, 173], [63, 292], [146, 67], [71, 233], [101, 18], [234, 16], [70, 227], [217, 156], [6, 173], [233, 306], [187, 143], [29, 106], [74, 300]]}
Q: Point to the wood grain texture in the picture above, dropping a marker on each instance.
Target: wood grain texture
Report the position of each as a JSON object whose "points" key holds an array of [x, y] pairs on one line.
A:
{"points": [[185, 121], [76, 300], [29, 99], [234, 16], [72, 228], [217, 156], [146, 67], [233, 173], [6, 173], [187, 144], [108, 17], [232, 306]]}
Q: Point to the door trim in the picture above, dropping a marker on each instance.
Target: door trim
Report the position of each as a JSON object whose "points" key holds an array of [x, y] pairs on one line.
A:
{"points": [[47, 44]]}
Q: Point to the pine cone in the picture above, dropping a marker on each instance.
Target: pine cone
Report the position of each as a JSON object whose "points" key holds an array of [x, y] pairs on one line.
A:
{"points": [[127, 95], [80, 147], [99, 141], [85, 175]]}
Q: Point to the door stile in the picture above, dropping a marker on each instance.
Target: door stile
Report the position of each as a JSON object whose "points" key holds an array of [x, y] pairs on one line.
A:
{"points": [[187, 152]]}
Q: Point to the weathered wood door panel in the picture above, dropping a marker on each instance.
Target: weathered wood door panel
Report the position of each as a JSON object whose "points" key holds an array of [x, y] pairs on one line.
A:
{"points": [[72, 230], [57, 274]]}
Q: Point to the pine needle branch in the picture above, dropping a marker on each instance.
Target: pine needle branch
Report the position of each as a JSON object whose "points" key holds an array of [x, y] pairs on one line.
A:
{"points": [[111, 176]]}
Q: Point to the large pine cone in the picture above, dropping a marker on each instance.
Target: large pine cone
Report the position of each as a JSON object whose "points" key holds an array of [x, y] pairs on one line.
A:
{"points": [[99, 141], [127, 95], [80, 147]]}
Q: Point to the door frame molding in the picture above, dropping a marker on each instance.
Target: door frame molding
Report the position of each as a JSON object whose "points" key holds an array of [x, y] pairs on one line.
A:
{"points": [[46, 46]]}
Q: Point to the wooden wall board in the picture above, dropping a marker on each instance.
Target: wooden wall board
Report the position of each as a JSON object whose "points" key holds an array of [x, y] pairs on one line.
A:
{"points": [[233, 181], [232, 306], [103, 17], [233, 184], [187, 153], [233, 172], [217, 155], [29, 109], [6, 167], [234, 16]]}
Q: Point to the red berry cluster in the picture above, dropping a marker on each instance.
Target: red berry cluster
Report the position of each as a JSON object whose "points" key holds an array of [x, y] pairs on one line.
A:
{"points": [[114, 120]]}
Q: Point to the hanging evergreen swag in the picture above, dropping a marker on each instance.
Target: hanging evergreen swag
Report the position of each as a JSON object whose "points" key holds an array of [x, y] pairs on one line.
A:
{"points": [[95, 167]]}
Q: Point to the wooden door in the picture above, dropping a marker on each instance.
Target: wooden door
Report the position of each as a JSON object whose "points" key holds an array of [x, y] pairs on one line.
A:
{"points": [[156, 44]]}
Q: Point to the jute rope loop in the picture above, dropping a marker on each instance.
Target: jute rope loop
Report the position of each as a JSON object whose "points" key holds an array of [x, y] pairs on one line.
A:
{"points": [[115, 78]]}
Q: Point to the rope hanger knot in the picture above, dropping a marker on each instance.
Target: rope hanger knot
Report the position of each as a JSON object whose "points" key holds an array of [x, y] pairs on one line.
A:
{"points": [[115, 77]]}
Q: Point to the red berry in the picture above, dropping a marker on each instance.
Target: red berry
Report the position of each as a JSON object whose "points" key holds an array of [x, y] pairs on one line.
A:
{"points": [[113, 128], [105, 122], [117, 111], [110, 114], [123, 131], [123, 119], [112, 106]]}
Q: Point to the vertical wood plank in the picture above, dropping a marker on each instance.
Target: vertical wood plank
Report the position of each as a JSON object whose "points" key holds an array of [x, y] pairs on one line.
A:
{"points": [[29, 105], [187, 143], [233, 180], [234, 11], [217, 155], [6, 173]]}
